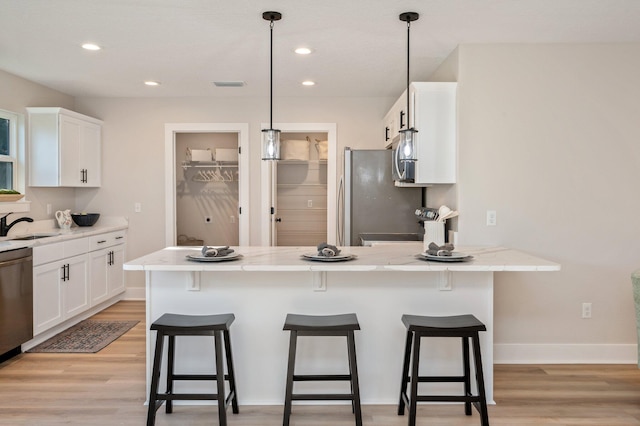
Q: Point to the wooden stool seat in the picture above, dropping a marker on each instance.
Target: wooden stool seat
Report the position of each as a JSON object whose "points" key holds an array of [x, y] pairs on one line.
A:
{"points": [[463, 326], [326, 325], [172, 325]]}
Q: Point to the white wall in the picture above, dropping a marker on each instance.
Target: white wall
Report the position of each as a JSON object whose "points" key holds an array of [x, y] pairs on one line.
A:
{"points": [[549, 137], [15, 95]]}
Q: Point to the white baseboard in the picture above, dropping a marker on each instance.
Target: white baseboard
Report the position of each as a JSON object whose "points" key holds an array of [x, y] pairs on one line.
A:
{"points": [[565, 353], [135, 293]]}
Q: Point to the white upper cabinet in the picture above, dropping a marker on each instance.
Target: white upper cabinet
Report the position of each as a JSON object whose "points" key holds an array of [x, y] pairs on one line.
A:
{"points": [[64, 148], [433, 114]]}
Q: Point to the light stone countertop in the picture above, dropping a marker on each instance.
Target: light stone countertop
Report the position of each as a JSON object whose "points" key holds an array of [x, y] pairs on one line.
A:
{"points": [[21, 229], [396, 257]]}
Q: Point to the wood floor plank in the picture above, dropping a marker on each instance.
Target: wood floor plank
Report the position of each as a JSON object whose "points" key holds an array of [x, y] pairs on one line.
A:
{"points": [[107, 388]]}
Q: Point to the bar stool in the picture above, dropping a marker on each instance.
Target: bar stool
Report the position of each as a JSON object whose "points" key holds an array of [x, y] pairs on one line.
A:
{"points": [[329, 325], [172, 325], [463, 326]]}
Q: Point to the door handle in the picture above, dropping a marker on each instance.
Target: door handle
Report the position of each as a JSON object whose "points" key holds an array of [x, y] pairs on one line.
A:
{"points": [[386, 134], [402, 114]]}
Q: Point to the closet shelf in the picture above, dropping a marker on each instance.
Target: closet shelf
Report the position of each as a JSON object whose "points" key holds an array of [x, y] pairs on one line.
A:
{"points": [[208, 164], [324, 185]]}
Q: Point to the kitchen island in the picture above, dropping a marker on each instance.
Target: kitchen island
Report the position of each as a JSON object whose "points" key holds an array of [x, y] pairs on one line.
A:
{"points": [[380, 285]]}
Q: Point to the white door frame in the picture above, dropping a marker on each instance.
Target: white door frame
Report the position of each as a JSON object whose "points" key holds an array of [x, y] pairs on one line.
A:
{"points": [[170, 131], [267, 181]]}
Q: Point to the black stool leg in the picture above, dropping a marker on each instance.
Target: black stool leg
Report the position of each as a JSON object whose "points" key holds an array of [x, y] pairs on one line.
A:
{"points": [[231, 372], [482, 405], [290, 368], [405, 373], [355, 387], [467, 374], [170, 359], [222, 409], [155, 377], [415, 379]]}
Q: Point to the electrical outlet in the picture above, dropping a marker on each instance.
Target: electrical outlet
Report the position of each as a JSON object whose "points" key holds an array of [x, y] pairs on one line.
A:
{"points": [[137, 207], [309, 203], [586, 310], [49, 208], [232, 219], [491, 218]]}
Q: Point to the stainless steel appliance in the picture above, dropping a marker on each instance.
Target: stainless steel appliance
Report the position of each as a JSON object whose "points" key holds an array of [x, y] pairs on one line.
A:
{"points": [[16, 299], [368, 200]]}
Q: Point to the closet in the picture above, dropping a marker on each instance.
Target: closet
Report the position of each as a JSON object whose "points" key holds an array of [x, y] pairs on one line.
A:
{"points": [[301, 190], [207, 189]]}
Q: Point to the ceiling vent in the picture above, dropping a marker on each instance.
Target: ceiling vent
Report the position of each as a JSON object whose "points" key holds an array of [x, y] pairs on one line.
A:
{"points": [[229, 83]]}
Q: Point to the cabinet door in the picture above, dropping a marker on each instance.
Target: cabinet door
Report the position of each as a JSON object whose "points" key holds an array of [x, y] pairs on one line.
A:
{"points": [[70, 138], [75, 289], [47, 300], [99, 287], [435, 109], [115, 271], [90, 154]]}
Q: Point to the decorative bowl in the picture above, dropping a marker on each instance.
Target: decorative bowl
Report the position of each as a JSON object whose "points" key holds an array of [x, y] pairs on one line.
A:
{"points": [[85, 219]]}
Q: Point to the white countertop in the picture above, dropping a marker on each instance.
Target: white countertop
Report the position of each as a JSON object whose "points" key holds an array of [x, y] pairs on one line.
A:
{"points": [[104, 224], [397, 257]]}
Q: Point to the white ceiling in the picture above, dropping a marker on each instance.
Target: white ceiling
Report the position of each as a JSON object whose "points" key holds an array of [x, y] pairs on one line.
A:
{"points": [[359, 45]]}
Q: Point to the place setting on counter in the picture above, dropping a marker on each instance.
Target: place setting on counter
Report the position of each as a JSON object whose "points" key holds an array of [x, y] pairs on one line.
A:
{"points": [[328, 253], [214, 254], [443, 253]]}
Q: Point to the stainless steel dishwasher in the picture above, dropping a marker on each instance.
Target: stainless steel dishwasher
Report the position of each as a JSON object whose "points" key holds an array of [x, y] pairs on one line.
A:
{"points": [[16, 299]]}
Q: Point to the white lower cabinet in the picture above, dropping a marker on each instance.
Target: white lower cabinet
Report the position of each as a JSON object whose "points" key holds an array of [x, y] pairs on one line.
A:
{"points": [[107, 275], [60, 291], [71, 277]]}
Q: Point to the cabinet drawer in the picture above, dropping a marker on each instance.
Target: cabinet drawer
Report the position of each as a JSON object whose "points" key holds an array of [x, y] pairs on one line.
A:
{"points": [[97, 242], [52, 252]]}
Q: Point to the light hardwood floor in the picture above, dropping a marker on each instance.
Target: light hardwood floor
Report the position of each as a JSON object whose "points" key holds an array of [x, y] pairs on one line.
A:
{"points": [[108, 388]]}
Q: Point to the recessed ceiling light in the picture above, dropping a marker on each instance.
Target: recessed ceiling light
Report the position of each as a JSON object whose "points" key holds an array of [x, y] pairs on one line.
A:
{"points": [[303, 51], [91, 46], [152, 83], [308, 83]]}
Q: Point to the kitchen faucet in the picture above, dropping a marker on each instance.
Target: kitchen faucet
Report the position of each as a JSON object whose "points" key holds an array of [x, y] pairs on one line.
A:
{"points": [[4, 228]]}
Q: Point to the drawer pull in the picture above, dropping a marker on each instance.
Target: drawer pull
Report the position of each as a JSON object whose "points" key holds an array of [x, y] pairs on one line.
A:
{"points": [[102, 241], [119, 238]]}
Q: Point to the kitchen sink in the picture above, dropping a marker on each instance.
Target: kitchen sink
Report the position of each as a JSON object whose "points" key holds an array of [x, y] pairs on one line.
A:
{"points": [[35, 236]]}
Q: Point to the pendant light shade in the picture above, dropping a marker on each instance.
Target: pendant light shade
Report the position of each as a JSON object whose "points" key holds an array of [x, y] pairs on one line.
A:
{"points": [[271, 136], [406, 146]]}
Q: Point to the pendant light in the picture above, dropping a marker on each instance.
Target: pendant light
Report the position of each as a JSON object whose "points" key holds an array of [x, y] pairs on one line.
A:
{"points": [[406, 146], [271, 136]]}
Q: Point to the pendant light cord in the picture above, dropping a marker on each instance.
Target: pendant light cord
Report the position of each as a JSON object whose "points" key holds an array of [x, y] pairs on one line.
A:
{"points": [[271, 77], [408, 56]]}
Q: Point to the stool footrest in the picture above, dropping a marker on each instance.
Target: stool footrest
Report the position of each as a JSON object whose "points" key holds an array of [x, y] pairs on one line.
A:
{"points": [[186, 396], [198, 377], [447, 398], [321, 397], [321, 377], [441, 379]]}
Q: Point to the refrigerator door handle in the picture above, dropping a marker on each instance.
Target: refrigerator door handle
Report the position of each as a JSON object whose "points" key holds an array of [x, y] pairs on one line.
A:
{"points": [[340, 212]]}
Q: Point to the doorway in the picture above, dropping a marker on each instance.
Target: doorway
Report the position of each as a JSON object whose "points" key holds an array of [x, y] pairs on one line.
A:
{"points": [[207, 190], [299, 191], [206, 184]]}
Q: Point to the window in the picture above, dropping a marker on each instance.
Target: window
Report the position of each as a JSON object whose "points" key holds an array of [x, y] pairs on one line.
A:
{"points": [[8, 149]]}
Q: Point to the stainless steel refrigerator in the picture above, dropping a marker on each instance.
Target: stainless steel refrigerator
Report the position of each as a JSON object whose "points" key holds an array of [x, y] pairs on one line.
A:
{"points": [[369, 202]]}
